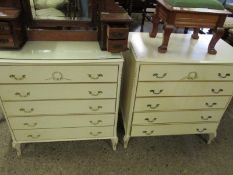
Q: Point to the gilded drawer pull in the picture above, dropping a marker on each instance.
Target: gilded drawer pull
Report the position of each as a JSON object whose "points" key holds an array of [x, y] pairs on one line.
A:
{"points": [[93, 77], [95, 109], [156, 93], [57, 76], [201, 130], [95, 93], [192, 76], [95, 134], [210, 105], [34, 136], [17, 78], [216, 91], [206, 118], [148, 133], [151, 121], [31, 125], [22, 95], [26, 111], [96, 123], [224, 76], [160, 76], [153, 107]]}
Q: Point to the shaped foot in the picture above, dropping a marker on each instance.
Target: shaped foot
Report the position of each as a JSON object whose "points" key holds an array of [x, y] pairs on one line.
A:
{"points": [[114, 143], [126, 141], [211, 138], [17, 146]]}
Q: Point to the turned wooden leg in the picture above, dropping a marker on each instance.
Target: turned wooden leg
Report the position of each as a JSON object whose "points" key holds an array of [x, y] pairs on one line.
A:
{"points": [[195, 33], [126, 141], [212, 136], [17, 146], [154, 31], [166, 36], [214, 40], [114, 143]]}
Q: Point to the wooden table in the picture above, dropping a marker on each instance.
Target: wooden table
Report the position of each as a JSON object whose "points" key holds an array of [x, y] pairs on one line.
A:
{"points": [[188, 17]]}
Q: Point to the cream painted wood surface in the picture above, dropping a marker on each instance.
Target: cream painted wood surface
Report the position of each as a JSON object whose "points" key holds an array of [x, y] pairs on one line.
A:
{"points": [[62, 107], [58, 91], [147, 89], [63, 133], [175, 129], [150, 118], [186, 73], [180, 103], [72, 121], [58, 74]]}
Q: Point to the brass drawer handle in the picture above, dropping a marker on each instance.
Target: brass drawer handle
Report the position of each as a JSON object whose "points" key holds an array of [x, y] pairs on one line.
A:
{"points": [[34, 136], [192, 75], [95, 93], [217, 91], [224, 76], [148, 133], [57, 76], [95, 134], [17, 78], [151, 121], [21, 95], [206, 118], [210, 105], [26, 111], [95, 77], [156, 93], [95, 109], [160, 76], [96, 123], [31, 125], [201, 130], [153, 107]]}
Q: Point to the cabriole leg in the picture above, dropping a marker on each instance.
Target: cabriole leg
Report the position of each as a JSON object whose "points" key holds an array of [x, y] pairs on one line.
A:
{"points": [[126, 141], [214, 40], [154, 31], [166, 36], [114, 143], [212, 136], [17, 146], [195, 33]]}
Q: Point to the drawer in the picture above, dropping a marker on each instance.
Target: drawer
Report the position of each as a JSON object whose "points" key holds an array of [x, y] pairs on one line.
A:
{"points": [[59, 107], [72, 121], [186, 73], [184, 88], [58, 74], [38, 135], [116, 46], [58, 91], [5, 28], [174, 129], [177, 117], [6, 41], [117, 32], [180, 103]]}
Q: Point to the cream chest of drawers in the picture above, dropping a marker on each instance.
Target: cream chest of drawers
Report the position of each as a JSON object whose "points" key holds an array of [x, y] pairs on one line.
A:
{"points": [[60, 91], [185, 91]]}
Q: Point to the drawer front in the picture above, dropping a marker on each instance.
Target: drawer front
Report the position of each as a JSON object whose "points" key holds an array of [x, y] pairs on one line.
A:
{"points": [[184, 88], [6, 41], [117, 32], [151, 118], [63, 134], [58, 91], [61, 121], [5, 28], [185, 73], [60, 107], [116, 46], [180, 103], [178, 129], [58, 74]]}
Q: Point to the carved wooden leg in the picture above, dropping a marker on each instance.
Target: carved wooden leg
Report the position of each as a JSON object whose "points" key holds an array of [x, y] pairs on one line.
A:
{"points": [[195, 33], [17, 146], [166, 36], [154, 31], [114, 143], [214, 40], [126, 141], [211, 138]]}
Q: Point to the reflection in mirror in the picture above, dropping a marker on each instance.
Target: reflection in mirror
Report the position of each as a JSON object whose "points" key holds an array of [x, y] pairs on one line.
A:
{"points": [[79, 10]]}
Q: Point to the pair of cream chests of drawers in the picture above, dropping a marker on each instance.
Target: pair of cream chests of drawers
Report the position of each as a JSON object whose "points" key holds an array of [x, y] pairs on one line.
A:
{"points": [[60, 91], [185, 91]]}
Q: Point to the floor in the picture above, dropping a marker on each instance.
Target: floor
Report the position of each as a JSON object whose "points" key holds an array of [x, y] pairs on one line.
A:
{"points": [[167, 155]]}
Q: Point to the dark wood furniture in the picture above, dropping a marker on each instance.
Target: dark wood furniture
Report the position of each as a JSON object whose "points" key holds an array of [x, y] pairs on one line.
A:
{"points": [[188, 17]]}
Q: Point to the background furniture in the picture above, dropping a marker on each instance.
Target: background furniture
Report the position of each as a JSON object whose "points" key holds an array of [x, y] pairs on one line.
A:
{"points": [[188, 17], [185, 91], [60, 91]]}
